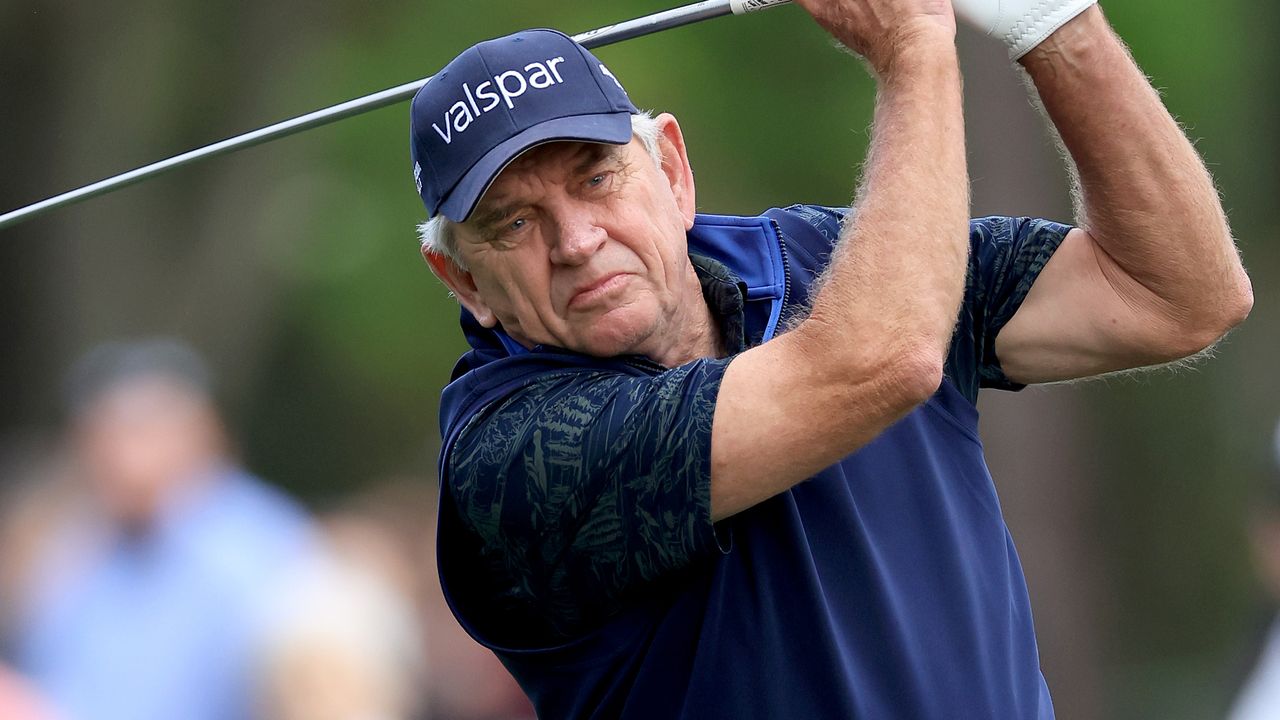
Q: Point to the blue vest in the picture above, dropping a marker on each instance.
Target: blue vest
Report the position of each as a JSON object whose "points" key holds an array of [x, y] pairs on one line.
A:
{"points": [[886, 586]]}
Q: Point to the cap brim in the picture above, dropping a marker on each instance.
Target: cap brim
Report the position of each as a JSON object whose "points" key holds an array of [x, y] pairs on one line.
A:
{"points": [[612, 128]]}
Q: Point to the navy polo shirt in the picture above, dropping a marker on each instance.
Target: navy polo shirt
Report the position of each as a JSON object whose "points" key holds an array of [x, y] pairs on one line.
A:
{"points": [[576, 540]]}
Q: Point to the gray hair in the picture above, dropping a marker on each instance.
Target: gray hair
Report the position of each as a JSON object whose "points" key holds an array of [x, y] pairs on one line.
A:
{"points": [[434, 234], [113, 364]]}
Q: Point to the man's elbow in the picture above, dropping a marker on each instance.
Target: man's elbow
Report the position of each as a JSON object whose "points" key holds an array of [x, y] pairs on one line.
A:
{"points": [[1240, 301], [919, 375], [907, 376], [1229, 307], [899, 370]]}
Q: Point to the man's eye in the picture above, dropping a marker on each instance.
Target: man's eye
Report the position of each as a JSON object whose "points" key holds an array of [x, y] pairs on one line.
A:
{"points": [[598, 179], [506, 230]]}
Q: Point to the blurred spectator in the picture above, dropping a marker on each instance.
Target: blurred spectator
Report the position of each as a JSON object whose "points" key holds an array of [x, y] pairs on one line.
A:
{"points": [[1260, 697], [391, 526], [342, 641], [144, 600]]}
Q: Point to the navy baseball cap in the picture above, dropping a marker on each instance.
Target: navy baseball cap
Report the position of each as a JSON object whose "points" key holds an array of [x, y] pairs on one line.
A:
{"points": [[500, 98]]}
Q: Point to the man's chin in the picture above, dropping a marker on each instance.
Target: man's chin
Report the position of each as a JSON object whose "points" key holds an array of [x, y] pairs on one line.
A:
{"points": [[618, 336]]}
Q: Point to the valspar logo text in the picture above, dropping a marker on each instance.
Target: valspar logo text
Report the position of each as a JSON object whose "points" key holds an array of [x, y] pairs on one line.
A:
{"points": [[503, 88]]}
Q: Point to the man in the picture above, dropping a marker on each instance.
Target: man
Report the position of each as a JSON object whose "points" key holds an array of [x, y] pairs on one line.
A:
{"points": [[702, 466], [147, 602]]}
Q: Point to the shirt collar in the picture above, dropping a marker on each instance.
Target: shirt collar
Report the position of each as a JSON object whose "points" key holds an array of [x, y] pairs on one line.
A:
{"points": [[726, 296]]}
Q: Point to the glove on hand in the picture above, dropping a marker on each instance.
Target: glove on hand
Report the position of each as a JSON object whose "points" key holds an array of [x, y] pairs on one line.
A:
{"points": [[1022, 24]]}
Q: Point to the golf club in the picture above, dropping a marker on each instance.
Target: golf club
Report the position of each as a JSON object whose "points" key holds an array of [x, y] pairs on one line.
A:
{"points": [[609, 34]]}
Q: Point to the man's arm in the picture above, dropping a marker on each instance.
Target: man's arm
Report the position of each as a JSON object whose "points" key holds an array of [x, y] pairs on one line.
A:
{"points": [[1152, 275], [874, 344]]}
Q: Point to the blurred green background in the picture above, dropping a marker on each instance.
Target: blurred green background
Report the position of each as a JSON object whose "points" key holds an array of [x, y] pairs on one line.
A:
{"points": [[294, 267]]}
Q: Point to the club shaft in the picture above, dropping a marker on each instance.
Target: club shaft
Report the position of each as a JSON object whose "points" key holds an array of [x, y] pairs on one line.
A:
{"points": [[646, 25]]}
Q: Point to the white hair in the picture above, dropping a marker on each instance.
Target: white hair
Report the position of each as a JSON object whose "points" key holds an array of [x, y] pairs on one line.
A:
{"points": [[434, 234]]}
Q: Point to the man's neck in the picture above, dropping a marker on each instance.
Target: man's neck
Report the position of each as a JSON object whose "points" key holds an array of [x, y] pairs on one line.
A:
{"points": [[698, 334], [701, 339]]}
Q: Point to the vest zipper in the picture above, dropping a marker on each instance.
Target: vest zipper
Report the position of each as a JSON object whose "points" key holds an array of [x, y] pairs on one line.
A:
{"points": [[786, 273]]}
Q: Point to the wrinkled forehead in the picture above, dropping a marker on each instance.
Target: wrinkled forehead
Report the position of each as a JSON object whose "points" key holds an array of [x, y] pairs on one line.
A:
{"points": [[548, 162], [563, 153]]}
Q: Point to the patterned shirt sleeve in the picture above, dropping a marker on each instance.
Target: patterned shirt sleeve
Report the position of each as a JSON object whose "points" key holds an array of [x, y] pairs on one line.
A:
{"points": [[1006, 256], [586, 485]]}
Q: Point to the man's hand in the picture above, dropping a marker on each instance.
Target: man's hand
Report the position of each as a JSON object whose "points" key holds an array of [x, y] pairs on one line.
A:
{"points": [[879, 29], [1021, 24]]}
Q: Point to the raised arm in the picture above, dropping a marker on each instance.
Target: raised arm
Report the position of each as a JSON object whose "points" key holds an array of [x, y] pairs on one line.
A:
{"points": [[1152, 275], [874, 344]]}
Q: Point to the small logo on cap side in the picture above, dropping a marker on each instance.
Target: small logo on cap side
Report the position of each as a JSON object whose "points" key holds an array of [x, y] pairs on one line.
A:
{"points": [[417, 177], [610, 75]]}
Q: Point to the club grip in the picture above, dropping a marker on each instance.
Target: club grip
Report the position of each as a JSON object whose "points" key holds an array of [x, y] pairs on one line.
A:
{"points": [[741, 7]]}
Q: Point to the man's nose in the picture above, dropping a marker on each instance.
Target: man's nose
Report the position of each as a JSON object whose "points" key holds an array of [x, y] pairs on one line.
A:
{"points": [[578, 237]]}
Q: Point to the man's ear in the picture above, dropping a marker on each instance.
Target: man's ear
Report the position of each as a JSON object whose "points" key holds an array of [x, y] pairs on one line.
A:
{"points": [[462, 284], [675, 165]]}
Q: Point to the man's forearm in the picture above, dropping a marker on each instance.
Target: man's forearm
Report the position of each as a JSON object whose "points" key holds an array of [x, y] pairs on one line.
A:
{"points": [[901, 265], [1146, 198]]}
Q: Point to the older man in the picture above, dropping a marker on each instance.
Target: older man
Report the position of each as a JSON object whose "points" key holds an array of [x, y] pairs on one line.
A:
{"points": [[704, 466]]}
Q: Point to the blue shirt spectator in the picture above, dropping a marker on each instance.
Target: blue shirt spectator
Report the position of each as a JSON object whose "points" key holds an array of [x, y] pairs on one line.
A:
{"points": [[146, 605]]}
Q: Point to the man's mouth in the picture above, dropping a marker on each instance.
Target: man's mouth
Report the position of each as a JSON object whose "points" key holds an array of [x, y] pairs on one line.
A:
{"points": [[597, 290]]}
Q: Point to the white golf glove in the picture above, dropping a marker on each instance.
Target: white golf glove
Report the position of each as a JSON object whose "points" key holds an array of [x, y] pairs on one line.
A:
{"points": [[1022, 24]]}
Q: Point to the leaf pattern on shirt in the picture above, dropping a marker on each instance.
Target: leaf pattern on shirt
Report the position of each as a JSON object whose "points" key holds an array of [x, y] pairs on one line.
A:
{"points": [[582, 486]]}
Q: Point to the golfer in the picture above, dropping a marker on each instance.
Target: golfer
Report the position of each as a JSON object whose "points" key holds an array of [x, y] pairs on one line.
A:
{"points": [[700, 466]]}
